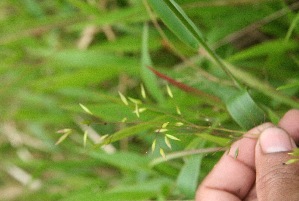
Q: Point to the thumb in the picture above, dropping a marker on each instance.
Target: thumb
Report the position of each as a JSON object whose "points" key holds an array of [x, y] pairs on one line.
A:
{"points": [[274, 179]]}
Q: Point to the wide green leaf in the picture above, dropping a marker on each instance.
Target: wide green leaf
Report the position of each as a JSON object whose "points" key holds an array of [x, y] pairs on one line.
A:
{"points": [[245, 111], [187, 180]]}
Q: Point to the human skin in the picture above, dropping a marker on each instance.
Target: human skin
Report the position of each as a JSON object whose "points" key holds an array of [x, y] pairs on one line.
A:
{"points": [[258, 172]]}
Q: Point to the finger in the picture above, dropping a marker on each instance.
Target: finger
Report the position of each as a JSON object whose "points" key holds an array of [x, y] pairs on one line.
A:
{"points": [[274, 180], [251, 195], [232, 178], [290, 123]]}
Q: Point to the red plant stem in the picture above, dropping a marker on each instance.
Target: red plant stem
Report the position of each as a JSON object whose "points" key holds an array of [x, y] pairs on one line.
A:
{"points": [[184, 87]]}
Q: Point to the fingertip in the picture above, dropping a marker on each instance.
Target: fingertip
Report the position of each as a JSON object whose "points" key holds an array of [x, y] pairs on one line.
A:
{"points": [[229, 178], [273, 140], [273, 178], [290, 123]]}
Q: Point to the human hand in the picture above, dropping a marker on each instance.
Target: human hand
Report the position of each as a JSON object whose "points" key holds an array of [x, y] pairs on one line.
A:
{"points": [[258, 172]]}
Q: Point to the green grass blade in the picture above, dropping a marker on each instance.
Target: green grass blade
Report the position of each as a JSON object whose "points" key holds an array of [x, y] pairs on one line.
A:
{"points": [[177, 21], [148, 77], [292, 27], [265, 49], [245, 111], [288, 86], [180, 24], [187, 180], [266, 89]]}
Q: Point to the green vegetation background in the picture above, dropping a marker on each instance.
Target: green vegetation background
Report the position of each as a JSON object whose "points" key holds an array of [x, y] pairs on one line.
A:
{"points": [[55, 54]]}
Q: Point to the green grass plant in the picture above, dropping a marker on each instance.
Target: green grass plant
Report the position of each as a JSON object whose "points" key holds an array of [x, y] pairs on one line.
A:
{"points": [[136, 99]]}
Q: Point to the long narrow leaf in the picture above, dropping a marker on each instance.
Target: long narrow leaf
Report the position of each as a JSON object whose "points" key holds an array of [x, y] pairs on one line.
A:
{"points": [[147, 76], [187, 180], [177, 21]]}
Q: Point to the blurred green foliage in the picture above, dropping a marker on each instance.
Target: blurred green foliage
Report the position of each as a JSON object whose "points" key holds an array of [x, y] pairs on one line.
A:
{"points": [[56, 54]]}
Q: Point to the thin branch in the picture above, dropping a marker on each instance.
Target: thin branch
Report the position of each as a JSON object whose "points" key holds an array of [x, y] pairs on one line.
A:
{"points": [[185, 87], [94, 136], [87, 37], [181, 154]]}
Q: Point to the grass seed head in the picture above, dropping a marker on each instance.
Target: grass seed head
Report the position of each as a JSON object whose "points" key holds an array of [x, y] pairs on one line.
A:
{"points": [[62, 138], [142, 109], [178, 111], [85, 109], [178, 124], [161, 130], [154, 145], [162, 153], [136, 111], [85, 138], [291, 161], [124, 120], [172, 137], [165, 125], [123, 98], [143, 94], [169, 92], [135, 101], [167, 142]]}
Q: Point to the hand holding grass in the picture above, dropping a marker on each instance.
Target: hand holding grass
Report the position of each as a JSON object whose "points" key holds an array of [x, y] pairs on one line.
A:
{"points": [[258, 172]]}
